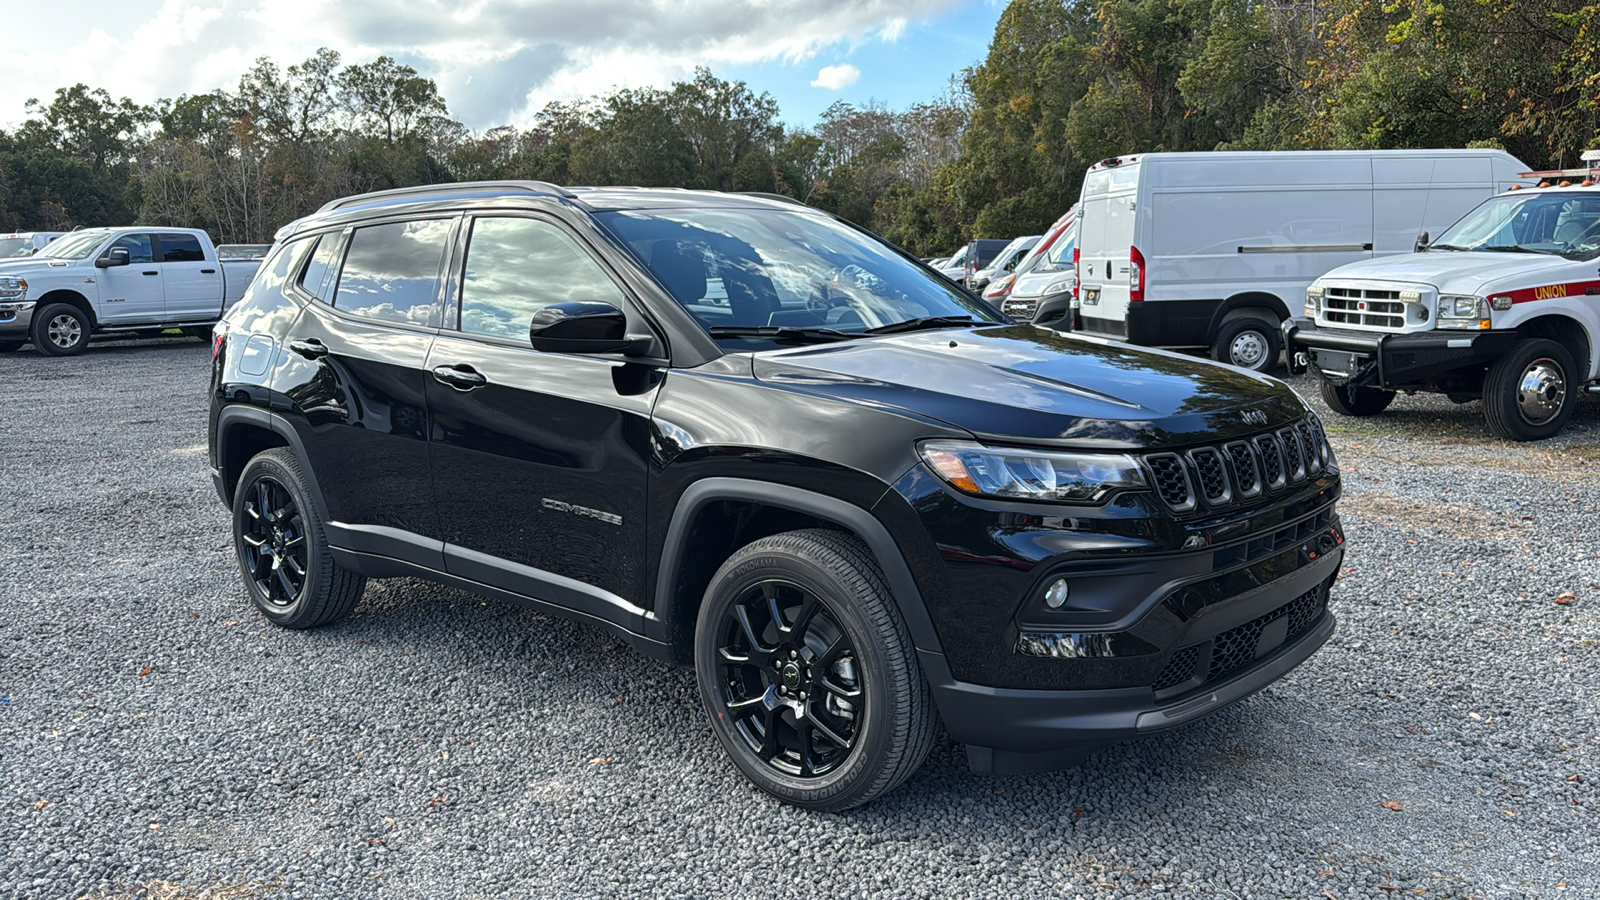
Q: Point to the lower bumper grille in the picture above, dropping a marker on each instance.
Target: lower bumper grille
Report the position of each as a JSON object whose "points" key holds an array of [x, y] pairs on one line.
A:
{"points": [[1021, 309], [1197, 665]]}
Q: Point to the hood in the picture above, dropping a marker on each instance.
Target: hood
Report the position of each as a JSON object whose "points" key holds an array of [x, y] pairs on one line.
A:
{"points": [[1450, 271], [1020, 384], [32, 262]]}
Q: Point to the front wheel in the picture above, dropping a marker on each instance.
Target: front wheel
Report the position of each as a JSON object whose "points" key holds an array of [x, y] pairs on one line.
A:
{"points": [[283, 553], [1248, 343], [61, 329], [808, 672], [1529, 394], [1354, 400]]}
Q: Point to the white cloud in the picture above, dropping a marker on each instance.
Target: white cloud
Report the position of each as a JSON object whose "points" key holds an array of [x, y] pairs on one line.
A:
{"points": [[835, 77], [496, 61]]}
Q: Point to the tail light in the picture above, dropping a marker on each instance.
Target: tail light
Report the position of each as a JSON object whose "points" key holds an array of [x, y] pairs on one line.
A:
{"points": [[1075, 277], [219, 333], [1135, 275]]}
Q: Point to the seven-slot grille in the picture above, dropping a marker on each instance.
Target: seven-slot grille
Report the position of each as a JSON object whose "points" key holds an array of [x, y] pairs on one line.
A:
{"points": [[1357, 306], [1021, 309], [1219, 476]]}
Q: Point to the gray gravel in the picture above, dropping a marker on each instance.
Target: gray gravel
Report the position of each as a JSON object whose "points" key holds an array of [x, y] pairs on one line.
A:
{"points": [[157, 735]]}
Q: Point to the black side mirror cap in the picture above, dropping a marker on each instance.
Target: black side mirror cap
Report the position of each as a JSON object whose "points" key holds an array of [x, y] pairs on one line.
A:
{"points": [[583, 328], [1422, 243], [116, 256]]}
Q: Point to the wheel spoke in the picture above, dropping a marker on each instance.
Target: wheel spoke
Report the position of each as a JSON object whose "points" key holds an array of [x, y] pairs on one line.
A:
{"points": [[744, 709], [263, 501], [831, 655], [732, 656], [254, 541], [294, 566], [769, 738], [837, 689], [807, 749], [802, 620], [830, 735], [283, 580], [262, 570], [743, 615]]}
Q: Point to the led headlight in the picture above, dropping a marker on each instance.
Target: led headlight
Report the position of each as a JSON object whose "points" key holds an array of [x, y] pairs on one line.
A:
{"points": [[13, 288], [1015, 474], [1313, 300], [1460, 311]]}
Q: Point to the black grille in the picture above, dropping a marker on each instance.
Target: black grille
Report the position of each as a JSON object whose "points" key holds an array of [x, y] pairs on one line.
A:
{"points": [[1180, 669], [1021, 310], [1172, 480], [1213, 477], [1236, 648], [1240, 470]]}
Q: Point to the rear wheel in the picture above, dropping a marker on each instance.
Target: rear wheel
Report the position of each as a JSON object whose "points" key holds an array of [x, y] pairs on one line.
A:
{"points": [[808, 673], [283, 553], [61, 329], [1248, 343], [1529, 394], [1354, 400]]}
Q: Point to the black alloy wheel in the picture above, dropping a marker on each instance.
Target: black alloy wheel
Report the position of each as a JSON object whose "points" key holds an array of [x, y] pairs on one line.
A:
{"points": [[808, 672], [789, 679], [274, 538]]}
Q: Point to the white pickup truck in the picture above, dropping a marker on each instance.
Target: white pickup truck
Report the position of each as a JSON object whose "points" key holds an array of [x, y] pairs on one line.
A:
{"points": [[1504, 307], [110, 280]]}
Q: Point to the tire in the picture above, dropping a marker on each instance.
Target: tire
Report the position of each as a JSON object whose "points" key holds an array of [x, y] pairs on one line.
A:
{"points": [[61, 329], [1530, 393], [837, 649], [287, 540], [1248, 343], [11, 346], [1353, 400]]}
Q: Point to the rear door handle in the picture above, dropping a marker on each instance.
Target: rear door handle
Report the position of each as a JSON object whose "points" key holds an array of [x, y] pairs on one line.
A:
{"points": [[208, 271], [462, 377], [310, 349], [149, 273]]}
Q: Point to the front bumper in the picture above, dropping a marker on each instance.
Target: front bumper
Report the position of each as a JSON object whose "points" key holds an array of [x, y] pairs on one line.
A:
{"points": [[1054, 311], [1392, 361], [16, 318]]}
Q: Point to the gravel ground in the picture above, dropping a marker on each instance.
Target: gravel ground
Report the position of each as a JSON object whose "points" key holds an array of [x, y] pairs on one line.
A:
{"points": [[158, 738]]}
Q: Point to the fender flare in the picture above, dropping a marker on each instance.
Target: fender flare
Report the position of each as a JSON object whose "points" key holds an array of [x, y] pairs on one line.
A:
{"points": [[256, 417], [907, 597], [1239, 306]]}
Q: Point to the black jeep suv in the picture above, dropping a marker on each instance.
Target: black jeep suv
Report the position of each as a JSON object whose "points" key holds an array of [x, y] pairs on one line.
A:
{"points": [[737, 432]]}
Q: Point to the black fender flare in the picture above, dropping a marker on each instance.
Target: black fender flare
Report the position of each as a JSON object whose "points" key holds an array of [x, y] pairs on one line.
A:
{"points": [[1239, 305], [907, 597], [256, 417]]}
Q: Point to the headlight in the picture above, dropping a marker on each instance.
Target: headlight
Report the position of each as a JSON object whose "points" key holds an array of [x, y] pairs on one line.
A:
{"points": [[1313, 300], [1016, 474], [13, 288], [1458, 311]]}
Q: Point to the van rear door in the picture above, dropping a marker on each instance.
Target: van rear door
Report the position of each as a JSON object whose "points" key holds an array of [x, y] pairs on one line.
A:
{"points": [[1105, 239]]}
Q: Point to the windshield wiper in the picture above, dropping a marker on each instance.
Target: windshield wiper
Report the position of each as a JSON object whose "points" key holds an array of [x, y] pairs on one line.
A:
{"points": [[778, 333], [1513, 248], [1444, 247], [923, 323]]}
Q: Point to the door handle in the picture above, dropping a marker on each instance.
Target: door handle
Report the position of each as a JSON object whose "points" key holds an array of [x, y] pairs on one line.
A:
{"points": [[310, 349], [208, 271], [149, 273], [462, 377]]}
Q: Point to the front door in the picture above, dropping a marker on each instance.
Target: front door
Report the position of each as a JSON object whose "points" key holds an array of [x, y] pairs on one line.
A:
{"points": [[539, 459], [133, 293]]}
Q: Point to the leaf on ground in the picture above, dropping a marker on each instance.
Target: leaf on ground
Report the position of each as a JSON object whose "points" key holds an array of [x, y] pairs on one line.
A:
{"points": [[1566, 598], [1393, 804], [602, 761], [40, 805], [146, 671]]}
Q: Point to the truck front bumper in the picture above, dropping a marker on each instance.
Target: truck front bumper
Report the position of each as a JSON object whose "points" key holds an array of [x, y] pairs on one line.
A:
{"points": [[16, 318], [1391, 361]]}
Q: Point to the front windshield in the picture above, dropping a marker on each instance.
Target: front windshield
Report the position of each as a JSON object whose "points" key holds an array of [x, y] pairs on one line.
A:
{"points": [[1567, 223], [766, 268], [11, 248], [77, 245]]}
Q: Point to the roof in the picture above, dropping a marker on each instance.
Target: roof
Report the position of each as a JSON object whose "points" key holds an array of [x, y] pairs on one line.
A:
{"points": [[592, 198]]}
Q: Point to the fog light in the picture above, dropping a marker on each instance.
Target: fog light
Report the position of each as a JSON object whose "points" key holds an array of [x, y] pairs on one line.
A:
{"points": [[1056, 593]]}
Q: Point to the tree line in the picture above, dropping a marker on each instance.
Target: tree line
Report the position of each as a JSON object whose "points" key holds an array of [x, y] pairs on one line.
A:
{"points": [[1064, 83]]}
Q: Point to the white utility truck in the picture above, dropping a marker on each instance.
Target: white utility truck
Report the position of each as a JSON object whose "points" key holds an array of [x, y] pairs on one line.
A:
{"points": [[22, 244], [1214, 250], [109, 280], [1504, 306]]}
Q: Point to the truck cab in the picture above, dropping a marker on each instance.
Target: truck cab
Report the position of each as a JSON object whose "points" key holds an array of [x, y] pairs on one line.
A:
{"points": [[1504, 307]]}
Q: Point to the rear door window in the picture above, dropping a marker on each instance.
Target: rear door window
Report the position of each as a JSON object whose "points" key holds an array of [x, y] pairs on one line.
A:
{"points": [[181, 248], [518, 266], [391, 272]]}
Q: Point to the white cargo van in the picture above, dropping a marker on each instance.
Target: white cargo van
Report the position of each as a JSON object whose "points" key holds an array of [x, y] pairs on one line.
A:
{"points": [[1211, 250]]}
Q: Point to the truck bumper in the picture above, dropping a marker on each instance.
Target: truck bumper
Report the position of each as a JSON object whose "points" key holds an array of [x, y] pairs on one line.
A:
{"points": [[16, 319], [1392, 361]]}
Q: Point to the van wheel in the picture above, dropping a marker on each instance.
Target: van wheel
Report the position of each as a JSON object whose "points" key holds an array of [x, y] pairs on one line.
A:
{"points": [[1248, 343], [1354, 400], [1529, 394], [283, 553], [808, 672], [61, 329]]}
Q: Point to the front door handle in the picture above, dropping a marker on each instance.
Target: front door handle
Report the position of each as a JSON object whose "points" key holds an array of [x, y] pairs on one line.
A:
{"points": [[149, 273], [462, 377], [310, 349]]}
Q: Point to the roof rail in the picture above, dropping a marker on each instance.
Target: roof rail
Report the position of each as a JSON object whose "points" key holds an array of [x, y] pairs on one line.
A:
{"points": [[454, 187], [768, 195]]}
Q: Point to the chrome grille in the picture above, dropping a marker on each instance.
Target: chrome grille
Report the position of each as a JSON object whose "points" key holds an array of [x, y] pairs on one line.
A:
{"points": [[1358, 306], [1218, 477]]}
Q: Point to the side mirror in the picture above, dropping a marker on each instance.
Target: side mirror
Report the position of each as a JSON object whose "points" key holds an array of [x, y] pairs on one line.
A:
{"points": [[116, 256], [1422, 243], [583, 328]]}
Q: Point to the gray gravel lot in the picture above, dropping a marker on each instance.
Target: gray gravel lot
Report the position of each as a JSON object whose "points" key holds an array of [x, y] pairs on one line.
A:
{"points": [[157, 735]]}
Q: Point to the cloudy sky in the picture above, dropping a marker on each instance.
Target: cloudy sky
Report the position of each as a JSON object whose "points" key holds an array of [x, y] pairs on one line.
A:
{"points": [[499, 61]]}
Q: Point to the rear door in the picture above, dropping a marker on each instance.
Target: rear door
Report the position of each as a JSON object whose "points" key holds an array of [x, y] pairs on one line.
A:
{"points": [[133, 293], [1105, 240], [192, 282]]}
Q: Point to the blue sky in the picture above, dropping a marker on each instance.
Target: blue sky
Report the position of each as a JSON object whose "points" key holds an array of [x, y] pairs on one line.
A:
{"points": [[499, 61]]}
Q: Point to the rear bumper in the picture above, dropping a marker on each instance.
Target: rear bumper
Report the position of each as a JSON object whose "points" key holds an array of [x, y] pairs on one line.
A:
{"points": [[16, 318], [1392, 361]]}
